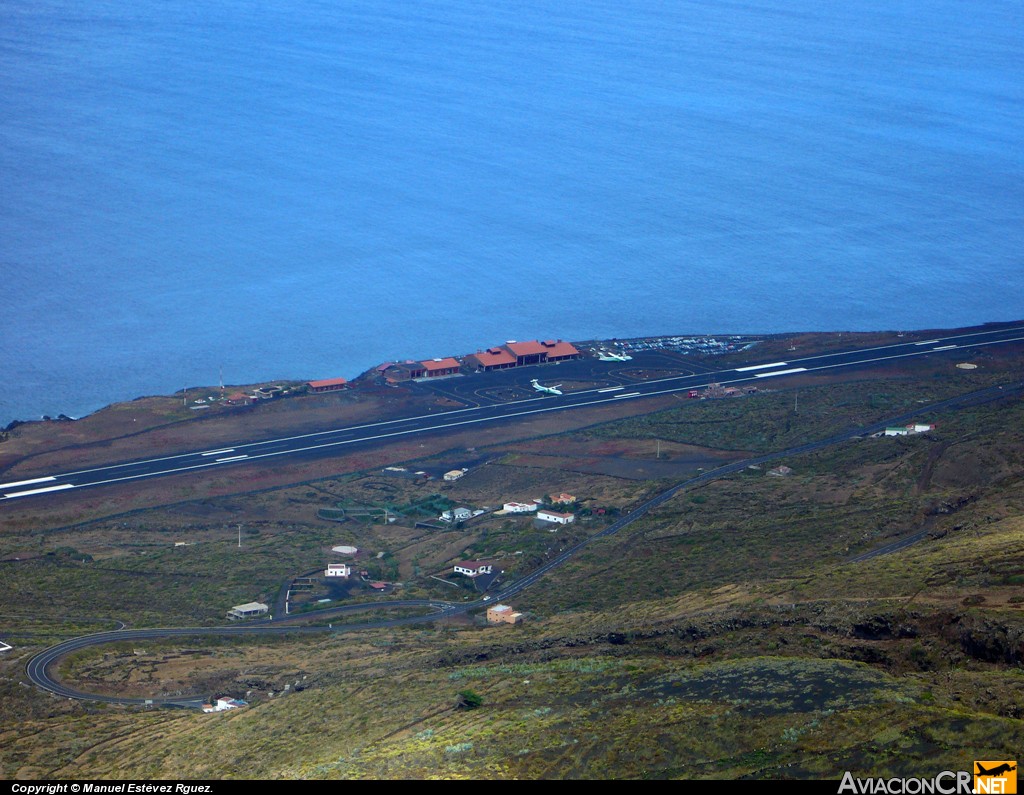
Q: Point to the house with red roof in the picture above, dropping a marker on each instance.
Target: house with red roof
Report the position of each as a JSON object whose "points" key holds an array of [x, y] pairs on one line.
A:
{"points": [[438, 367], [327, 385], [556, 517], [474, 568]]}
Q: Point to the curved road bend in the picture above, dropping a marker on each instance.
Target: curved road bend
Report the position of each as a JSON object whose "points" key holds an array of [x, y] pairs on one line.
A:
{"points": [[38, 668], [322, 441]]}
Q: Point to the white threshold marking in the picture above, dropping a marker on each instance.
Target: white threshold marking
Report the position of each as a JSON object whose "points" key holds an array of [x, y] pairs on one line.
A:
{"points": [[39, 491], [760, 367], [26, 482], [781, 372], [612, 389], [927, 342], [944, 347], [219, 452], [231, 458]]}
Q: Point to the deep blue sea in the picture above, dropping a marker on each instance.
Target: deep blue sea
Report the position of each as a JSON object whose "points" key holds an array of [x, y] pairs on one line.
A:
{"points": [[305, 189]]}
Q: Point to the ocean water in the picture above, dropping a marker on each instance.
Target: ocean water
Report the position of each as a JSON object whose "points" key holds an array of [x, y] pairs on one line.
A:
{"points": [[306, 189]]}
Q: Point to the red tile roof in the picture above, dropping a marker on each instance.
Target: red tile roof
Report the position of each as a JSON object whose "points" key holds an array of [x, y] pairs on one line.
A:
{"points": [[526, 348], [494, 357], [328, 382], [443, 364], [556, 349]]}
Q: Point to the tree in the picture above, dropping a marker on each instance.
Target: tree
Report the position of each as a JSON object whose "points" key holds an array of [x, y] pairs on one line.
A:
{"points": [[467, 699]]}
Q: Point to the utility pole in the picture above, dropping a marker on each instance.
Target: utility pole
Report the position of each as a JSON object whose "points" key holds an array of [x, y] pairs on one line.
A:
{"points": [[239, 536], [796, 402]]}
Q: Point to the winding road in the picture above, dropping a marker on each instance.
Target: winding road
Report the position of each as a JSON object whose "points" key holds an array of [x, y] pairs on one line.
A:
{"points": [[40, 666]]}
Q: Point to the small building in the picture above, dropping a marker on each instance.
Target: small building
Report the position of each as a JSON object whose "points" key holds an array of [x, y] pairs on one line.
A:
{"points": [[222, 703], [491, 359], [338, 570], [439, 367], [404, 371], [454, 474], [503, 614], [474, 568], [328, 385], [238, 399], [456, 515], [556, 517], [248, 610], [906, 430], [268, 392], [520, 507], [563, 499]]}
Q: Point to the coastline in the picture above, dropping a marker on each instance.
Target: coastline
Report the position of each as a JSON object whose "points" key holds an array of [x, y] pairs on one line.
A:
{"points": [[806, 341]]}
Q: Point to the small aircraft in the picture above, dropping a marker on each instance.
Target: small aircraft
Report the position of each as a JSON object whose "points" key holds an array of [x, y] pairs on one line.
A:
{"points": [[608, 356], [547, 390]]}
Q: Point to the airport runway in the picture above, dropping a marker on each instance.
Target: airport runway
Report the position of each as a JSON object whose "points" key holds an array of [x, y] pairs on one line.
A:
{"points": [[39, 667], [340, 438]]}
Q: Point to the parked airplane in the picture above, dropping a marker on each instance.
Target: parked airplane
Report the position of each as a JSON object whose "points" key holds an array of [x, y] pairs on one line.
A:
{"points": [[608, 356], [547, 390]]}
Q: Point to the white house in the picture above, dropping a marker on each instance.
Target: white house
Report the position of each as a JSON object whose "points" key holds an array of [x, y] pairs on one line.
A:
{"points": [[221, 704], [520, 507], [248, 610], [456, 515], [338, 570], [906, 430], [454, 474], [473, 568], [556, 516]]}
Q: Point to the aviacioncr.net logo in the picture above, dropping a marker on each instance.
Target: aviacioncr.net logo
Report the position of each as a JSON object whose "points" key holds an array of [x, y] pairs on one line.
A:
{"points": [[948, 782], [995, 777]]}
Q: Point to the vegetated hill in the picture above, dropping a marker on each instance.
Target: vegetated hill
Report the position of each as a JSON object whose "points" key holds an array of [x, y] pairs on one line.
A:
{"points": [[735, 631]]}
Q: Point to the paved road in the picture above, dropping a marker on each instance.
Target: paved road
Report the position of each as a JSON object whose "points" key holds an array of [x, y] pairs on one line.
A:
{"points": [[340, 438], [38, 668]]}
